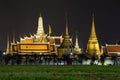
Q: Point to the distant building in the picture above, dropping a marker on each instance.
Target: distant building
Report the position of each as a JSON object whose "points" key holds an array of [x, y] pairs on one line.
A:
{"points": [[111, 53], [112, 49]]}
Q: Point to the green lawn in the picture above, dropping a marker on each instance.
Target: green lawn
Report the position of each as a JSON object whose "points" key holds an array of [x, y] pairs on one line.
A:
{"points": [[75, 72]]}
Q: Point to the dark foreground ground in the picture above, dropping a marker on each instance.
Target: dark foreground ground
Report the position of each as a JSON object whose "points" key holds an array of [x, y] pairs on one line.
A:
{"points": [[49, 72]]}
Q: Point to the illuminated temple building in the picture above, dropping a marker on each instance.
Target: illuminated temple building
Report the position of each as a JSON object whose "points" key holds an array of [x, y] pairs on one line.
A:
{"points": [[39, 43], [42, 43], [44, 48], [93, 44]]}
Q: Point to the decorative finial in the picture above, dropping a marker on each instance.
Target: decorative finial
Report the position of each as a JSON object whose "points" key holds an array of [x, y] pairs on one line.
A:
{"points": [[93, 26], [67, 25], [50, 29], [76, 34], [40, 15], [8, 40], [92, 18], [76, 40]]}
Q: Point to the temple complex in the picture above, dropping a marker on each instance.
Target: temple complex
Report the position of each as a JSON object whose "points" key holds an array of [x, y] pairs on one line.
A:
{"points": [[43, 47], [39, 43], [93, 44]]}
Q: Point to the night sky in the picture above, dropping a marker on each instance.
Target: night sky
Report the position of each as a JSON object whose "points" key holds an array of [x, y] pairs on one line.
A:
{"points": [[21, 17]]}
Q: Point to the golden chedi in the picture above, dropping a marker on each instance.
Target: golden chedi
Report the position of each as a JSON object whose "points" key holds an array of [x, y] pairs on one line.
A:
{"points": [[93, 44]]}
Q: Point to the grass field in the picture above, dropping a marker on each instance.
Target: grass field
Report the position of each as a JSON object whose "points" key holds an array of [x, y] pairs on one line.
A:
{"points": [[75, 72]]}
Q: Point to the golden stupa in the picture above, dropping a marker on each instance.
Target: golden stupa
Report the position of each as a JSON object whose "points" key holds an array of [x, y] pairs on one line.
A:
{"points": [[93, 44]]}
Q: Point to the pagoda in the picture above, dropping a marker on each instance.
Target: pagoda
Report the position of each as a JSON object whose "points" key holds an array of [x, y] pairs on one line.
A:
{"points": [[77, 49], [66, 44], [93, 44]]}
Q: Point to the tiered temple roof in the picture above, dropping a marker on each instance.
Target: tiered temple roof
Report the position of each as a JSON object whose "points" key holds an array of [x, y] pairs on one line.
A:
{"points": [[112, 49], [66, 44]]}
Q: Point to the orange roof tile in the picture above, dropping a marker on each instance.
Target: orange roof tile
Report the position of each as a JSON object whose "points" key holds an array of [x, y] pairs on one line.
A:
{"points": [[113, 48]]}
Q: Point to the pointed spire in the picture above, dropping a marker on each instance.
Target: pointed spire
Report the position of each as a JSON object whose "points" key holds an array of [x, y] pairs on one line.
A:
{"points": [[8, 43], [40, 29], [76, 44], [93, 33], [67, 40], [67, 33], [65, 43], [93, 24], [50, 30]]}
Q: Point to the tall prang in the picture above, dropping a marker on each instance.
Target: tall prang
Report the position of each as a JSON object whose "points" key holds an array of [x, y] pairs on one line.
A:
{"points": [[40, 36], [66, 44], [93, 44], [40, 29]]}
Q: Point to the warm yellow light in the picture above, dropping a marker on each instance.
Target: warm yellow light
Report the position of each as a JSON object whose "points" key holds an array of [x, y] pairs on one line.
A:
{"points": [[32, 47]]}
